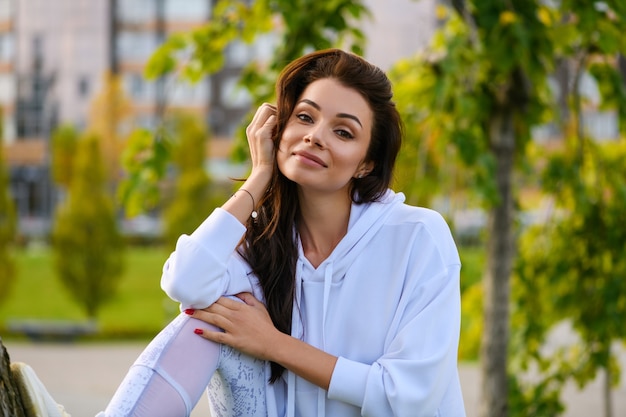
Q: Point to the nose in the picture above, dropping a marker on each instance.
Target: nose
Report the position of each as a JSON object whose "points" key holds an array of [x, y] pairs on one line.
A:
{"points": [[314, 138]]}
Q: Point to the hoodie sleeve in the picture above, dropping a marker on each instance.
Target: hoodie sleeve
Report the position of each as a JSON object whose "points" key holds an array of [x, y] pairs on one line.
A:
{"points": [[417, 372], [199, 271]]}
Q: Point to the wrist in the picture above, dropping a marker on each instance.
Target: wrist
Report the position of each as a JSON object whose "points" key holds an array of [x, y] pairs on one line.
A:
{"points": [[261, 175], [279, 347]]}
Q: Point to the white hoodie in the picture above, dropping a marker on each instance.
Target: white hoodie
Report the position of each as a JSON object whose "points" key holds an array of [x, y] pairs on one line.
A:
{"points": [[386, 302]]}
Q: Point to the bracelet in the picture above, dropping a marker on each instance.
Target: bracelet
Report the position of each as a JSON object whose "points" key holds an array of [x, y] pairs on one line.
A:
{"points": [[254, 213]]}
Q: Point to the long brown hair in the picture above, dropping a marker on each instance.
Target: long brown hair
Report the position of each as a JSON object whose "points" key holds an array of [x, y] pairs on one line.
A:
{"points": [[270, 245]]}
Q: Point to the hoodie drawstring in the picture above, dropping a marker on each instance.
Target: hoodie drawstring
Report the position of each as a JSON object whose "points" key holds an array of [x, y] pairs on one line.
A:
{"points": [[328, 281], [296, 331]]}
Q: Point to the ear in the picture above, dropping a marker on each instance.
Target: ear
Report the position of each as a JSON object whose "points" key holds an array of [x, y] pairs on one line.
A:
{"points": [[364, 169]]}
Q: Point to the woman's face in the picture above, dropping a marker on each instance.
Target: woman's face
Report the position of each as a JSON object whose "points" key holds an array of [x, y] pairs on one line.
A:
{"points": [[326, 138]]}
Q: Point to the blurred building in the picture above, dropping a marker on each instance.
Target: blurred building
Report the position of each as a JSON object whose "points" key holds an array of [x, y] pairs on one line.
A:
{"points": [[398, 29], [54, 56]]}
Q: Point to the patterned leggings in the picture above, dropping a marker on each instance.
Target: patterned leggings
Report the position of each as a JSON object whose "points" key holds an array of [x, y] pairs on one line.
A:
{"points": [[169, 376]]}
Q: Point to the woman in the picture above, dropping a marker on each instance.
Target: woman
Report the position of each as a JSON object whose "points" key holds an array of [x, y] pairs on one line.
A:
{"points": [[359, 310]]}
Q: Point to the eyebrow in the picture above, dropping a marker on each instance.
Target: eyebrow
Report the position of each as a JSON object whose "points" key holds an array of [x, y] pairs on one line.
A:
{"points": [[342, 115]]}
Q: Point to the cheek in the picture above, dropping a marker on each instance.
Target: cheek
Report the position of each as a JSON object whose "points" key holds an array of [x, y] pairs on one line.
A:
{"points": [[281, 154], [351, 159], [280, 159], [282, 145]]}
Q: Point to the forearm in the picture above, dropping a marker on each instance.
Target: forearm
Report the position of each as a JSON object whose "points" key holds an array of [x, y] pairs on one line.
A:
{"points": [[248, 328], [306, 361], [195, 274]]}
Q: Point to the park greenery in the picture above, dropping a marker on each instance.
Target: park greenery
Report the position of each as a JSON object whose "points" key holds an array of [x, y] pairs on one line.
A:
{"points": [[471, 101], [475, 96], [8, 227], [194, 194], [87, 244]]}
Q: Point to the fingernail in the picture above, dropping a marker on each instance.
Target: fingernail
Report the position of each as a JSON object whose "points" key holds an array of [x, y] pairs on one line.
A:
{"points": [[189, 311], [198, 331]]}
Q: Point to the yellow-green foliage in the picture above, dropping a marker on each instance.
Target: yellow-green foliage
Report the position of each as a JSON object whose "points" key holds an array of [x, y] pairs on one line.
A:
{"points": [[471, 322], [571, 269], [7, 228], [194, 195], [473, 263], [87, 244], [336, 24], [64, 140]]}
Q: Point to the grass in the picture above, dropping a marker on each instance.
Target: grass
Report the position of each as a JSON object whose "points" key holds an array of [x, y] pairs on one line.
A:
{"points": [[472, 265], [140, 308]]}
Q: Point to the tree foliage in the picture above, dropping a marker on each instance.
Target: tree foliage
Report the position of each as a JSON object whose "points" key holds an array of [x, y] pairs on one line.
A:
{"points": [[8, 226], [63, 142], [487, 58], [571, 267], [88, 248], [474, 96], [194, 195], [200, 52], [145, 160], [108, 115]]}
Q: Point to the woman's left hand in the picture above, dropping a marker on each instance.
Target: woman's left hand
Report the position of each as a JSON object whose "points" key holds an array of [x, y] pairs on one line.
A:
{"points": [[247, 325]]}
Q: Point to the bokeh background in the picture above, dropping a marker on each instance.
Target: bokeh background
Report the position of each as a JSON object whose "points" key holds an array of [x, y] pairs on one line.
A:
{"points": [[122, 128]]}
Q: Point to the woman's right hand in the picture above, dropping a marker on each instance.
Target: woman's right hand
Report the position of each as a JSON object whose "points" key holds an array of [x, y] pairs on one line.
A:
{"points": [[259, 133], [260, 138]]}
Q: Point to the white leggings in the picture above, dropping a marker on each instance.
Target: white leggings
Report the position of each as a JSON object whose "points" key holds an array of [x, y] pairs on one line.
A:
{"points": [[169, 376]]}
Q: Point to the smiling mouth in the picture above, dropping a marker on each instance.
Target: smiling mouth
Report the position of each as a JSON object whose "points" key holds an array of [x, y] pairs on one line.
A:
{"points": [[310, 159]]}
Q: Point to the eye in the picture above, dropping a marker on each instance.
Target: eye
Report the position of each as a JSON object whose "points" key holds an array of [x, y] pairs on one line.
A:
{"points": [[305, 118], [344, 134]]}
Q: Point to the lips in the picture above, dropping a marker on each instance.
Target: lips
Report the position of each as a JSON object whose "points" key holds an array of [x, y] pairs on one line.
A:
{"points": [[309, 157]]}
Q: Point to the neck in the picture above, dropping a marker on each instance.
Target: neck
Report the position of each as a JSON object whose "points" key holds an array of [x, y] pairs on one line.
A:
{"points": [[322, 224]]}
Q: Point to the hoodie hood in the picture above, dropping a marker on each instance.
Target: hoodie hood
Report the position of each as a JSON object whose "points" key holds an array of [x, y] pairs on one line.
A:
{"points": [[365, 221]]}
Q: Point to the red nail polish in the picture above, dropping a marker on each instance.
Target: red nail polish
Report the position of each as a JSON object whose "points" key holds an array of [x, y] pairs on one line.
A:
{"points": [[198, 331], [189, 311]]}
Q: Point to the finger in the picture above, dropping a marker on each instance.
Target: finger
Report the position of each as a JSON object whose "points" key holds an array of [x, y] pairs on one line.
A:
{"points": [[262, 114], [270, 122], [262, 129], [230, 303], [212, 335], [215, 319], [247, 298]]}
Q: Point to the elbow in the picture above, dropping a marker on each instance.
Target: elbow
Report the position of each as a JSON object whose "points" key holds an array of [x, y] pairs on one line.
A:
{"points": [[172, 286], [176, 293]]}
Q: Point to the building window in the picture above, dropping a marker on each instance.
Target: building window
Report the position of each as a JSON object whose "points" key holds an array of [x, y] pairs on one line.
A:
{"points": [[6, 47], [233, 95], [136, 11], [189, 10], [238, 54], [186, 94], [6, 9], [7, 88], [137, 88], [83, 87], [135, 46]]}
